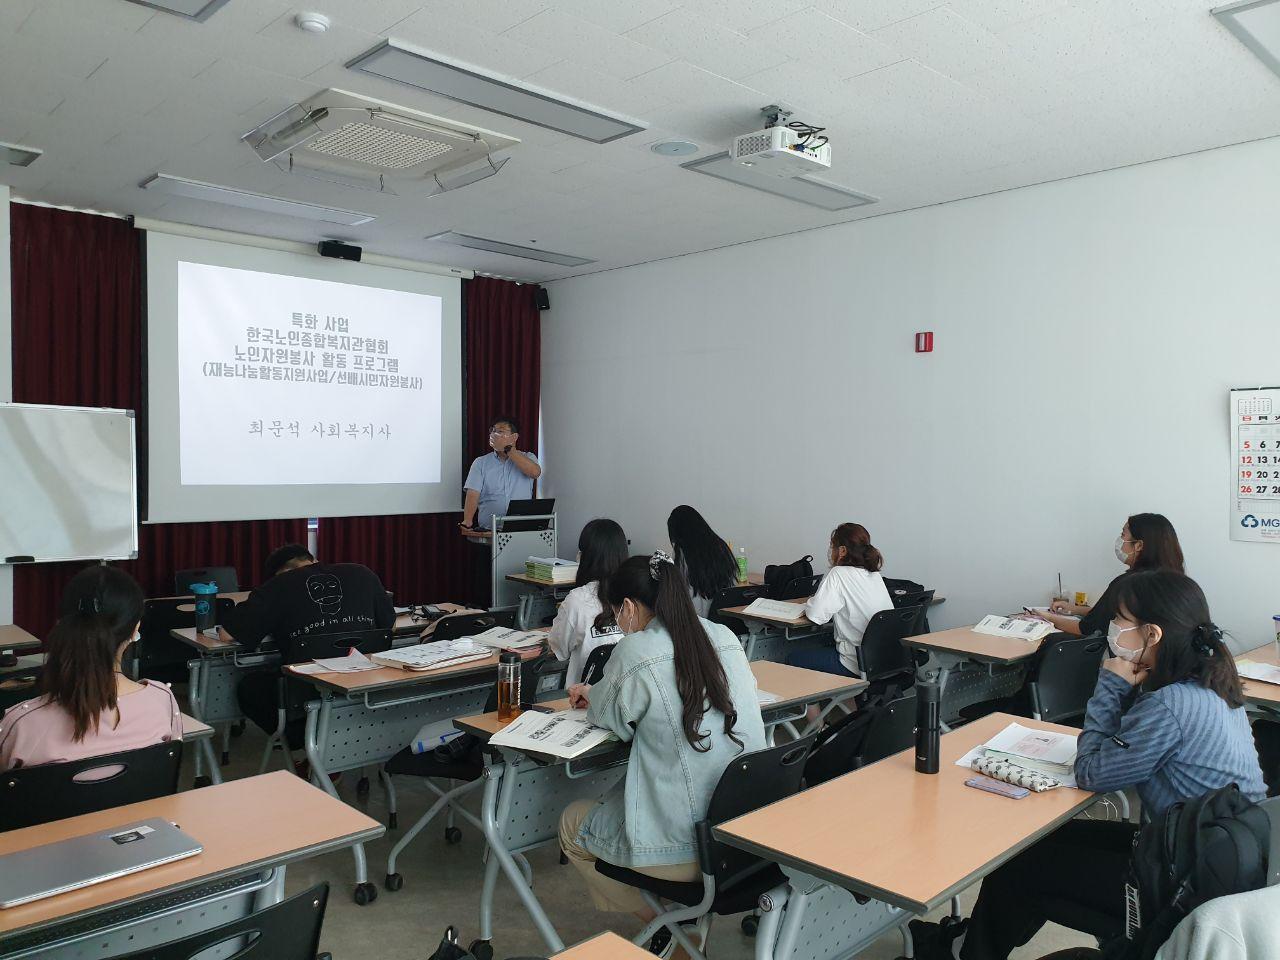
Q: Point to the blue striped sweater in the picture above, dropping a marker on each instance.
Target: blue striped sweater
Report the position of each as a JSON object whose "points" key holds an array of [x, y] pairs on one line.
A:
{"points": [[1178, 742]]}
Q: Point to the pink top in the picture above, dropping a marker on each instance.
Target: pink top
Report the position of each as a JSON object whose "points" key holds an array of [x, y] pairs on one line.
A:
{"points": [[39, 731]]}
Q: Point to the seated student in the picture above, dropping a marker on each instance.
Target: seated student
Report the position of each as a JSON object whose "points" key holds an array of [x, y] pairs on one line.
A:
{"points": [[301, 598], [703, 557], [88, 707], [680, 691], [1168, 719], [851, 593], [1241, 926], [602, 548], [1146, 542]]}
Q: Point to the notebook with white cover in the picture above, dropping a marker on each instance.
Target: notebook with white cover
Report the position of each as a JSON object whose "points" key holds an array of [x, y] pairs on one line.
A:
{"points": [[1014, 627], [504, 638], [433, 655], [775, 609], [1265, 672]]}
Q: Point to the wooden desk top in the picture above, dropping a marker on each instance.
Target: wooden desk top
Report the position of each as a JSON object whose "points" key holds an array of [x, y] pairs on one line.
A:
{"points": [[244, 825], [977, 646], [1255, 691], [240, 596], [800, 621], [15, 638], [203, 642], [607, 946], [913, 840], [193, 729], [792, 686], [389, 677], [539, 582]]}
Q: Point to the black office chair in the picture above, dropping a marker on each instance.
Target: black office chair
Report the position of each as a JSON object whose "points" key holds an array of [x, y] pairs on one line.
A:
{"points": [[293, 693], [463, 625], [461, 762], [799, 588], [892, 730], [884, 661], [593, 669], [738, 596], [50, 791], [288, 930], [917, 598], [1066, 678], [732, 879], [224, 577], [875, 731], [159, 656]]}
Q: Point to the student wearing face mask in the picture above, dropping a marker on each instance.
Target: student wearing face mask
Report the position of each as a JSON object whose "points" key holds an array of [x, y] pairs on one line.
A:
{"points": [[680, 691], [87, 707], [1166, 718], [1146, 542], [851, 593]]}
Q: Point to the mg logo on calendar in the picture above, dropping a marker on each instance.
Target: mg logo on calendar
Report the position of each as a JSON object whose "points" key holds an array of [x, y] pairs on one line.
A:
{"points": [[1249, 521]]}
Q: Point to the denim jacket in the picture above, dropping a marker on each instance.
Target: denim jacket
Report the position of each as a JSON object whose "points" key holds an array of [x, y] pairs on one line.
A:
{"points": [[647, 820]]}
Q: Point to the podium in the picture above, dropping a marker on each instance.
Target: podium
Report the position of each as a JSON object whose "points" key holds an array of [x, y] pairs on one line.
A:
{"points": [[515, 539]]}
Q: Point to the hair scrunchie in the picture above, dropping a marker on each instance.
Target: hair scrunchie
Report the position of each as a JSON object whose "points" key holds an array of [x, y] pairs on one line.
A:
{"points": [[1205, 637], [89, 605], [656, 561]]}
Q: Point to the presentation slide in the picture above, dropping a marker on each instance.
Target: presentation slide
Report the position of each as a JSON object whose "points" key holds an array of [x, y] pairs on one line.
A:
{"points": [[299, 381], [282, 384]]}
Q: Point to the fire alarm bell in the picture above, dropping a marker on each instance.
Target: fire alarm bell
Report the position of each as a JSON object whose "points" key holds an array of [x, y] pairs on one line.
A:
{"points": [[924, 342]]}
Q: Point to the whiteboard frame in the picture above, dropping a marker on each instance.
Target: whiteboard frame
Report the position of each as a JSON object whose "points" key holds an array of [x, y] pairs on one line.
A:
{"points": [[133, 452]]}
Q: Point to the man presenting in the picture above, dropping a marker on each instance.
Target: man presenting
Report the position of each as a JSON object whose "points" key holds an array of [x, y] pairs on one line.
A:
{"points": [[494, 480]]}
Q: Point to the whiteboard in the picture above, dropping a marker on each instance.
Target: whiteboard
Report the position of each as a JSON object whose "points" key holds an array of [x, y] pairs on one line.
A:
{"points": [[1255, 463], [68, 483]]}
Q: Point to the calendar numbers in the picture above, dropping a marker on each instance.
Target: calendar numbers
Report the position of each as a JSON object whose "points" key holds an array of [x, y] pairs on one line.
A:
{"points": [[1257, 447]]}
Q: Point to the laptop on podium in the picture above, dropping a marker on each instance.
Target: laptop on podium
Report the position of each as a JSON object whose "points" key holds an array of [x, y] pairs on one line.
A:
{"points": [[529, 508]]}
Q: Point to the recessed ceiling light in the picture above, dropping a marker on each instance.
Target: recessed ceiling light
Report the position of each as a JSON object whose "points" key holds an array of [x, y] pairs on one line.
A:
{"points": [[509, 249], [1256, 24], [815, 193], [198, 10], [213, 193], [19, 156], [393, 60], [312, 22], [674, 148]]}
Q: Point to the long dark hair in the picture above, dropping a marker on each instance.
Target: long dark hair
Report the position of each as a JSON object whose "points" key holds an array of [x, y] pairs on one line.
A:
{"points": [[858, 549], [1160, 547], [100, 607], [702, 555], [700, 677], [1191, 646], [603, 546]]}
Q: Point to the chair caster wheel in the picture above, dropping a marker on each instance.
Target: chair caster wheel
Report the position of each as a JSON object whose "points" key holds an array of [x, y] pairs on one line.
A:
{"points": [[393, 821], [365, 893], [452, 836], [226, 758], [394, 882], [362, 788], [199, 782], [237, 729], [481, 949], [750, 924]]}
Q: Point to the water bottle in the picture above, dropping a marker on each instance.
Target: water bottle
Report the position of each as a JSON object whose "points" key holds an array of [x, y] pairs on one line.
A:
{"points": [[508, 686], [206, 596], [742, 564], [928, 723]]}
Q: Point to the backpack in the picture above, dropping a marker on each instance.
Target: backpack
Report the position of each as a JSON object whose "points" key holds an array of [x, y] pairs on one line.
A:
{"points": [[1196, 851], [777, 576]]}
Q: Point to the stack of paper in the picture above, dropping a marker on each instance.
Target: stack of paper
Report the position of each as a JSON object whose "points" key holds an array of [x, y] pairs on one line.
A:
{"points": [[433, 655], [503, 638], [1266, 672], [355, 662], [565, 734], [1016, 627], [775, 609], [1039, 751], [551, 568]]}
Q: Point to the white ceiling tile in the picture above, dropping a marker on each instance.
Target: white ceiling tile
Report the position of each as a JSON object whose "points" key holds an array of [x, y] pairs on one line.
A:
{"points": [[607, 94], [707, 44], [874, 14], [494, 16], [995, 15], [42, 88], [1064, 41], [618, 17], [461, 40], [744, 16], [802, 88], [13, 12], [588, 45], [237, 86], [829, 46], [379, 16], [943, 40]]}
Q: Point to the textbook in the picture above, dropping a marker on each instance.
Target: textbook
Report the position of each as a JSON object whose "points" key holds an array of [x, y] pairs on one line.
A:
{"points": [[564, 734], [433, 655], [1014, 627], [1043, 752], [1252, 670], [551, 568], [504, 638], [775, 609]]}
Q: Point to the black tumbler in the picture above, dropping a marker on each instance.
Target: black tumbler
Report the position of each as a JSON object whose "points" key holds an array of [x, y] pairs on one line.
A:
{"points": [[928, 724]]}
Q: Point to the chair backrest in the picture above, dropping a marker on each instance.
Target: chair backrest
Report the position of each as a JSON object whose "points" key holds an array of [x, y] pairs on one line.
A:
{"points": [[593, 669], [42, 794], [751, 781], [159, 656], [882, 653], [900, 588], [339, 644], [798, 588], [224, 577], [161, 616], [1272, 807], [288, 930], [738, 596], [1068, 675], [463, 625], [892, 730]]}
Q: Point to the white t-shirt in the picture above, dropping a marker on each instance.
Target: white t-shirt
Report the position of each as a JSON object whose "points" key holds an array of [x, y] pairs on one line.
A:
{"points": [[850, 596], [573, 634]]}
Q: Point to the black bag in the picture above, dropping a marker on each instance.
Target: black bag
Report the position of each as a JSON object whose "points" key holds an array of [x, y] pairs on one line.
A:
{"points": [[777, 576], [1195, 851], [837, 748]]}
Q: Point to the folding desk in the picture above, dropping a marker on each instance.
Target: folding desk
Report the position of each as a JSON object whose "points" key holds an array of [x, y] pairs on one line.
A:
{"points": [[1263, 698], [14, 639], [972, 667], [201, 734], [908, 841], [250, 829], [773, 638], [524, 795], [607, 946]]}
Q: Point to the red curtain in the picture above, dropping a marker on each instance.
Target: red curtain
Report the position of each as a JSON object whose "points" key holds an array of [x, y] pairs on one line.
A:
{"points": [[77, 340], [421, 557]]}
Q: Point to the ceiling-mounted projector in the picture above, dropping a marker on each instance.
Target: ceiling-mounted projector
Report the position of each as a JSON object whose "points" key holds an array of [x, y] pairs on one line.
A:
{"points": [[783, 148]]}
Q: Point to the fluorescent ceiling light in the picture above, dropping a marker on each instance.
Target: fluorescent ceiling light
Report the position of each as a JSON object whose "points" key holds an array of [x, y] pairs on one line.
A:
{"points": [[393, 60], [815, 193], [212, 193], [198, 10], [1256, 24], [19, 156], [509, 249]]}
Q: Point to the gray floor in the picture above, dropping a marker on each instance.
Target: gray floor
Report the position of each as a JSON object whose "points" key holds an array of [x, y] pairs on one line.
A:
{"points": [[442, 887]]}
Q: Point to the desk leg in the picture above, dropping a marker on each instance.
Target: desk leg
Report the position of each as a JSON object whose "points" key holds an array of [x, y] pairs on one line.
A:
{"points": [[494, 822], [196, 703], [272, 893], [205, 751]]}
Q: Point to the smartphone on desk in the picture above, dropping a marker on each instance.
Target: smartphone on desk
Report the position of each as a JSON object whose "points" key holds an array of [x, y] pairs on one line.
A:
{"points": [[1012, 791]]}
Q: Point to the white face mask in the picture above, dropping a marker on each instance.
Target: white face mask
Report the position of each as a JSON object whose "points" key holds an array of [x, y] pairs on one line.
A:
{"points": [[1120, 554], [1124, 653]]}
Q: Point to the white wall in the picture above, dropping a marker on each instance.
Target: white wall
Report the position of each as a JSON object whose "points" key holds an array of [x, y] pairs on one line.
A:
{"points": [[1087, 332], [6, 372]]}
